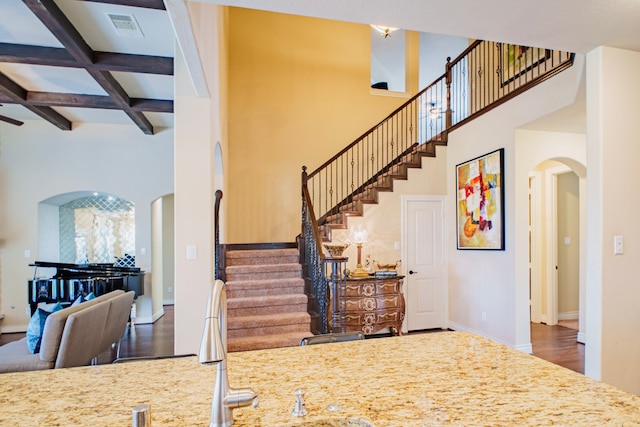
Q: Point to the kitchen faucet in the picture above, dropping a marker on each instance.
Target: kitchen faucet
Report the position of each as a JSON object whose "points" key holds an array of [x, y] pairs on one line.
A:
{"points": [[213, 349]]}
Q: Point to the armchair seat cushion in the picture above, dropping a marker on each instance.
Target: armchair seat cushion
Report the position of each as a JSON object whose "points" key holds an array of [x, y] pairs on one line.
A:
{"points": [[16, 357]]}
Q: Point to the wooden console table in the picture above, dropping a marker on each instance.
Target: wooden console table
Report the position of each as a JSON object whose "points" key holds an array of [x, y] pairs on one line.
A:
{"points": [[373, 303]]}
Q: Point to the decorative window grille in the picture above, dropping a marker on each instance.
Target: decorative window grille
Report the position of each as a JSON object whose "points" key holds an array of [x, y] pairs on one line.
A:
{"points": [[98, 229]]}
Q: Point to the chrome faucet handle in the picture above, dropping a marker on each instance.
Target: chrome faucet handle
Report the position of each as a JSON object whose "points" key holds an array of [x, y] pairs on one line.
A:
{"points": [[299, 409]]}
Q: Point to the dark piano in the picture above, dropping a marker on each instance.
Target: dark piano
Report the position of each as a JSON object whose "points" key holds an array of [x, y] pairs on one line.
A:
{"points": [[72, 280]]}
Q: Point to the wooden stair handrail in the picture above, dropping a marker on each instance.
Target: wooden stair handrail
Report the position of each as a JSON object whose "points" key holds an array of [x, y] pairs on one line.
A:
{"points": [[314, 222], [374, 127]]}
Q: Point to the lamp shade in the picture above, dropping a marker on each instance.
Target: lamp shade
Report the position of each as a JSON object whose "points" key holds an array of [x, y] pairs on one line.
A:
{"points": [[359, 236]]}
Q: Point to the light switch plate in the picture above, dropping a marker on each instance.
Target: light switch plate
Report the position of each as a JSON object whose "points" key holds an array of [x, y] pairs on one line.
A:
{"points": [[618, 245], [192, 252]]}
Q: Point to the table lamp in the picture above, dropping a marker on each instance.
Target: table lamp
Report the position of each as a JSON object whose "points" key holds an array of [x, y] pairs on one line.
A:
{"points": [[359, 237]]}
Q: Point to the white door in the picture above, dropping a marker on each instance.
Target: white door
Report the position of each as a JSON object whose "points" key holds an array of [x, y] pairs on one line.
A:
{"points": [[424, 267]]}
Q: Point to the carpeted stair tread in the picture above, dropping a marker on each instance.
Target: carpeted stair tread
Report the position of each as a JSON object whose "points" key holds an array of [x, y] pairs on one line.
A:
{"points": [[261, 283], [258, 288], [290, 339], [262, 257], [257, 253], [263, 268], [263, 301], [263, 272], [242, 322]]}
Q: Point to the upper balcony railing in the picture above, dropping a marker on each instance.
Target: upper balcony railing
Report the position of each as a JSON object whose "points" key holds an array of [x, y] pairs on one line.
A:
{"points": [[488, 74]]}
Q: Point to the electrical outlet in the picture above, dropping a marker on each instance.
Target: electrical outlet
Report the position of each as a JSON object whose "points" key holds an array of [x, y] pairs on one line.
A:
{"points": [[170, 289], [484, 316]]}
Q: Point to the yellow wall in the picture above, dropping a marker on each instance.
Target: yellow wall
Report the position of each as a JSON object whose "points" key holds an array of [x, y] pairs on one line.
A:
{"points": [[298, 93]]}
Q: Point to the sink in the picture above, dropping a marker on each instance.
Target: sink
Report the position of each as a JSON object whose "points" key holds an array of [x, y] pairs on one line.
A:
{"points": [[339, 422]]}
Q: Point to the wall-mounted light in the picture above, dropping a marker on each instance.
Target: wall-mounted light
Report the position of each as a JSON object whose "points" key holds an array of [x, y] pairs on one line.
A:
{"points": [[384, 30]]}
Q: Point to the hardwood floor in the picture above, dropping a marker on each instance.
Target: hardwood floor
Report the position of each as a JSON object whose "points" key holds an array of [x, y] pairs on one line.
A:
{"points": [[558, 345], [555, 344]]}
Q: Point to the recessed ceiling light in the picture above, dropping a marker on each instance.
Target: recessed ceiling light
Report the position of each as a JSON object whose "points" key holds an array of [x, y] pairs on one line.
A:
{"points": [[125, 24]]}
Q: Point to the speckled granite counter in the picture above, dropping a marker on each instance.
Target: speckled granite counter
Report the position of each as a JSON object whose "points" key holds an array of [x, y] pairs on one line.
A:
{"points": [[447, 378]]}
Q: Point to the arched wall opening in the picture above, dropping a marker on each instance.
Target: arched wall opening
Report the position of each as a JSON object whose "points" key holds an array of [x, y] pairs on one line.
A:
{"points": [[87, 227], [532, 148], [557, 242]]}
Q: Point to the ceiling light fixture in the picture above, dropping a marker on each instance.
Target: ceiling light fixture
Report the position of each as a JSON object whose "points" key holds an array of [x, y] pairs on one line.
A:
{"points": [[384, 30]]}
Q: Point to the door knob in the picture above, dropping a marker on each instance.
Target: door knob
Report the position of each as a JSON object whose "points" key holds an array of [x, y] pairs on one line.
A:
{"points": [[412, 272]]}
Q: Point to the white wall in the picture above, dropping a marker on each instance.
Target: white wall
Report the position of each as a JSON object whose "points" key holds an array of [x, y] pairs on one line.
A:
{"points": [[495, 282], [197, 130], [613, 295], [38, 161]]}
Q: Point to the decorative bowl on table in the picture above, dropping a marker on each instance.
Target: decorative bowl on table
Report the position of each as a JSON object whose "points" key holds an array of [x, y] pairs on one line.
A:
{"points": [[336, 250], [386, 267]]}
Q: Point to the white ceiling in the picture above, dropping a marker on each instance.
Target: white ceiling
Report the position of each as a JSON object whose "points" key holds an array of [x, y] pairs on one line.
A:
{"points": [[573, 25]]}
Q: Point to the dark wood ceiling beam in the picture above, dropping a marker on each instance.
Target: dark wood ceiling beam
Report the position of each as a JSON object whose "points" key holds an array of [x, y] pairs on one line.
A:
{"points": [[53, 18], [152, 105], [129, 63], [96, 101], [147, 4], [36, 55], [104, 61], [17, 95]]}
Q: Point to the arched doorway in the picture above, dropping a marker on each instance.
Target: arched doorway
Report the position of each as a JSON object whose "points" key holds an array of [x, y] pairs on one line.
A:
{"points": [[556, 242], [557, 221]]}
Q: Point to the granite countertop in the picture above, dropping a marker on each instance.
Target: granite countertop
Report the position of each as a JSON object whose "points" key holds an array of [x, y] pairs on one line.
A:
{"points": [[443, 378]]}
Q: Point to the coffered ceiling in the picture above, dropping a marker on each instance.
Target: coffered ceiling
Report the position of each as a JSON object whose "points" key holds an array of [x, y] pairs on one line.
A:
{"points": [[65, 62], [73, 61]]}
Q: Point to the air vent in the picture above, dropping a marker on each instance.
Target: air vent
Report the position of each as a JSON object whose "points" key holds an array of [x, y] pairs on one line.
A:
{"points": [[125, 25]]}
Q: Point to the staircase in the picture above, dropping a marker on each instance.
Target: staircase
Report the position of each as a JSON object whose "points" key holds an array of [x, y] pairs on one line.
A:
{"points": [[369, 193], [266, 303]]}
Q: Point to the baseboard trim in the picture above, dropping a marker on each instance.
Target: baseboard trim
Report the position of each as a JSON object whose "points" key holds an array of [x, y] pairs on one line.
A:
{"points": [[581, 338], [14, 329], [152, 319], [525, 348], [568, 315]]}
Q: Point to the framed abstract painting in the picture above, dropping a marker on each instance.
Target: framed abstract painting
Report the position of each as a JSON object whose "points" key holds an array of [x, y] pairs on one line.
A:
{"points": [[480, 202]]}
